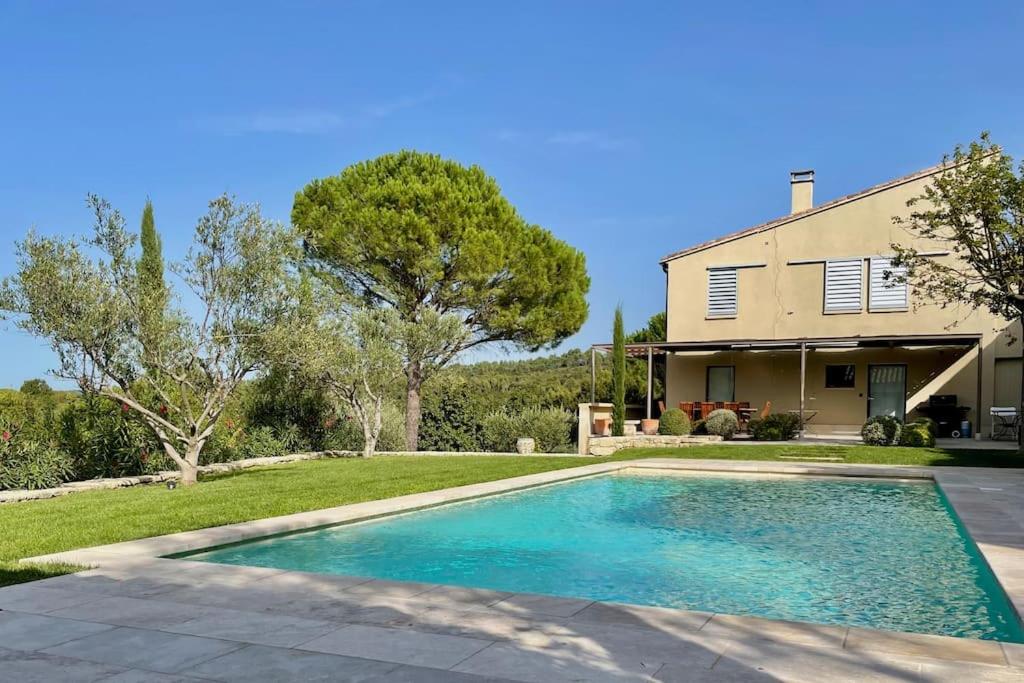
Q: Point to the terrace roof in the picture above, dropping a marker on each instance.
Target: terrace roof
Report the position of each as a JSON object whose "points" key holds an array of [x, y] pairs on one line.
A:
{"points": [[886, 341]]}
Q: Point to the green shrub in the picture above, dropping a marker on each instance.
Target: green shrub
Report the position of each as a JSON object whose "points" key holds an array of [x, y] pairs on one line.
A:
{"points": [[104, 441], [30, 464], [550, 429], [674, 422], [500, 431], [723, 423], [451, 420], [698, 427], [881, 430], [917, 435], [930, 424], [774, 427], [346, 434], [392, 429], [260, 443]]}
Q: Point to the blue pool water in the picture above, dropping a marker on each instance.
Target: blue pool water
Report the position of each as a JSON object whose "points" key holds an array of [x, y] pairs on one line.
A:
{"points": [[876, 554]]}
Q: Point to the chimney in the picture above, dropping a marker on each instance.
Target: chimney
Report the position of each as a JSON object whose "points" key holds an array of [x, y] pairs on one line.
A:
{"points": [[802, 185]]}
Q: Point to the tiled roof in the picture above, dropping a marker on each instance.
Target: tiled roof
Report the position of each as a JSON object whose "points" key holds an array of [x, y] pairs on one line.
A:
{"points": [[772, 224]]}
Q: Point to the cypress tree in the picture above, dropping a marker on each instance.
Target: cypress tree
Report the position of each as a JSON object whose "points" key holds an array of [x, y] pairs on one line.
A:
{"points": [[618, 375], [152, 289]]}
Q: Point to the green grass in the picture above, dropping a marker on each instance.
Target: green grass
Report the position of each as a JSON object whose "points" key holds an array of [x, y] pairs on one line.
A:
{"points": [[98, 517]]}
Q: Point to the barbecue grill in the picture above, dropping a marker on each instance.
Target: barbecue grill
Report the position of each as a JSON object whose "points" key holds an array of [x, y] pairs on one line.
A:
{"points": [[947, 414]]}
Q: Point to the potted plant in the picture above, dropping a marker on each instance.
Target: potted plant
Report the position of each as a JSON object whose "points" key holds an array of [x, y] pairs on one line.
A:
{"points": [[649, 426]]}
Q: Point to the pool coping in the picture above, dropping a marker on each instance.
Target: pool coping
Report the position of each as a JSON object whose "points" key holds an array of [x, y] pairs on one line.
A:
{"points": [[986, 500]]}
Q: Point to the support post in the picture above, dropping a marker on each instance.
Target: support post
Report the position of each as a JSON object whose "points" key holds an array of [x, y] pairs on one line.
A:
{"points": [[650, 379], [803, 383], [977, 400], [593, 375]]}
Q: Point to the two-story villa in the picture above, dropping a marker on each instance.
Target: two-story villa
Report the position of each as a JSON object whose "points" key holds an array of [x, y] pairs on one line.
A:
{"points": [[797, 311]]}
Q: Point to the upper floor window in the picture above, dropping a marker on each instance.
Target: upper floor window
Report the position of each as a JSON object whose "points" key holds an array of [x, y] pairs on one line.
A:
{"points": [[843, 285], [722, 292], [886, 294]]}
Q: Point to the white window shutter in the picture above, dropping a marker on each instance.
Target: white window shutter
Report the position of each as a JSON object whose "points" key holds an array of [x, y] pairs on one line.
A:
{"points": [[843, 285], [721, 292], [886, 295]]}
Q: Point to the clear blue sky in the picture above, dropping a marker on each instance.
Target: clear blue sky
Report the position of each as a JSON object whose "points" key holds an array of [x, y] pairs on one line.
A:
{"points": [[630, 129]]}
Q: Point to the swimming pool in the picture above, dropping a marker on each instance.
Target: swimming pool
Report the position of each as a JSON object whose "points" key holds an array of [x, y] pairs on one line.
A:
{"points": [[878, 554]]}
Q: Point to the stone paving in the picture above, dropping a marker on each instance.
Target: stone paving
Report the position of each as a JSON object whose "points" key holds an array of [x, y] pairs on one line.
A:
{"points": [[137, 617]]}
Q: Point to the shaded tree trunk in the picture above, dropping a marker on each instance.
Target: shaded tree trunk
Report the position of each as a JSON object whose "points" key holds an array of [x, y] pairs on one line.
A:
{"points": [[414, 381]]}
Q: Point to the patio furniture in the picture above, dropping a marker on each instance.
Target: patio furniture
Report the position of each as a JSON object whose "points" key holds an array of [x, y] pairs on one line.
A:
{"points": [[706, 409], [744, 413], [687, 407], [731, 405], [1006, 422]]}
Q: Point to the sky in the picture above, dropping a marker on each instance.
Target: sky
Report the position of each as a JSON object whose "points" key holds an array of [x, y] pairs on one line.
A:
{"points": [[628, 129]]}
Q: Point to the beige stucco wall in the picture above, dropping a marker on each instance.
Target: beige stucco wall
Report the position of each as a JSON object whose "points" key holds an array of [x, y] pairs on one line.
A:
{"points": [[783, 301]]}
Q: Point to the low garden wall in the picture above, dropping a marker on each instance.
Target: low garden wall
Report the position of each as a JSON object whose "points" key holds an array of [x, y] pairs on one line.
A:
{"points": [[606, 445]]}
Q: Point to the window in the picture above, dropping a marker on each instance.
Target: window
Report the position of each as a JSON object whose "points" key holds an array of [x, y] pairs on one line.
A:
{"points": [[886, 295], [721, 384], [843, 285], [840, 376], [721, 292]]}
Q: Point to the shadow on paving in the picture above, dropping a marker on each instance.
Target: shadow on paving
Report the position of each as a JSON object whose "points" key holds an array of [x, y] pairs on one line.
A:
{"points": [[267, 624]]}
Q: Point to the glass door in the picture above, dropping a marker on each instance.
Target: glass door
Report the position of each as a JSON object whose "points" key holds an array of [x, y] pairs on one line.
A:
{"points": [[887, 391]]}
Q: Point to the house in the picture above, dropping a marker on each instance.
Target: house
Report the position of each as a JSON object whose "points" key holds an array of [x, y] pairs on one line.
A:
{"points": [[798, 311]]}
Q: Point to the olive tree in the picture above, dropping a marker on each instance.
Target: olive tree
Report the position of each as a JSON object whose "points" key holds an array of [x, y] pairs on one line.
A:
{"points": [[356, 354], [420, 234], [88, 299], [974, 207]]}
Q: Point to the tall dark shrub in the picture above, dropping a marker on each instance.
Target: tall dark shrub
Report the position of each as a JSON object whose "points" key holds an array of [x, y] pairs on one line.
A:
{"points": [[152, 288], [618, 374]]}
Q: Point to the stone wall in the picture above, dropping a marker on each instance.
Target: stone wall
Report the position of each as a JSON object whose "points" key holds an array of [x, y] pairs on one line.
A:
{"points": [[606, 445]]}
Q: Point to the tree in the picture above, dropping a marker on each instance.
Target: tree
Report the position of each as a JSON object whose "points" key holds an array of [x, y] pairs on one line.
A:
{"points": [[356, 356], [92, 310], [654, 331], [618, 375], [418, 233], [975, 207], [153, 292], [36, 387]]}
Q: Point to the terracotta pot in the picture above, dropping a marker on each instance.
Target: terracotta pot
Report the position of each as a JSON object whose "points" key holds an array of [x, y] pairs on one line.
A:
{"points": [[649, 426], [602, 426]]}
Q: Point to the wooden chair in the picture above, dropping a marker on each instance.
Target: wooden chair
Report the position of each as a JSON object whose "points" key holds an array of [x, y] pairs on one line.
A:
{"points": [[732, 405], [719, 405], [744, 404], [687, 407], [705, 409]]}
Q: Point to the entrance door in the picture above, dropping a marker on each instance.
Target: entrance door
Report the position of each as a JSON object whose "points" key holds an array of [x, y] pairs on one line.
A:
{"points": [[887, 391]]}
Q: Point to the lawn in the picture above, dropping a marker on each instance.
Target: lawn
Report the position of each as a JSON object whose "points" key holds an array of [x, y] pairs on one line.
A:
{"points": [[99, 517]]}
